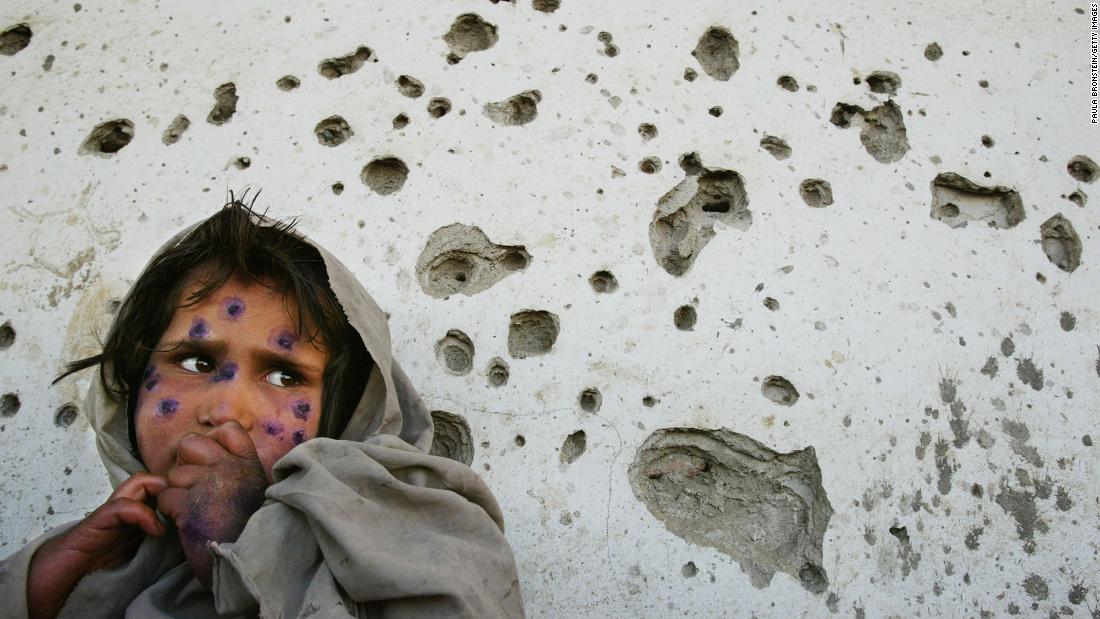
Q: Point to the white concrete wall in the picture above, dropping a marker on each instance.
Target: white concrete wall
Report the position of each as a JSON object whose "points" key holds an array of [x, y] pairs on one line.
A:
{"points": [[885, 311]]}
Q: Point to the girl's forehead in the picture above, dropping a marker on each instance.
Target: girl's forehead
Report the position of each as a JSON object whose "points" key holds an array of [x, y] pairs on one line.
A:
{"points": [[238, 302]]}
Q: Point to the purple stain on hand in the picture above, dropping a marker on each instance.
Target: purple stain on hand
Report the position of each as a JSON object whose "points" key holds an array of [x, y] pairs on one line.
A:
{"points": [[274, 428], [298, 437], [199, 329], [228, 371], [286, 340], [301, 409], [167, 407], [234, 307]]}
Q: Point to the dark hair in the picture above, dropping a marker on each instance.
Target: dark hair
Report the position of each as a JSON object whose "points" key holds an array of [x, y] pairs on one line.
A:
{"points": [[230, 245]]}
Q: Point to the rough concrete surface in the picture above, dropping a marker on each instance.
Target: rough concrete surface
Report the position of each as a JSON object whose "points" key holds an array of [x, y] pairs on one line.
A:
{"points": [[741, 309]]}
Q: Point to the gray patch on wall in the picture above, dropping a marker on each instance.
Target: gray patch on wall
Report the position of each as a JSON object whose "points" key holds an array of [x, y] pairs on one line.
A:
{"points": [[451, 437], [1083, 169], [384, 175], [333, 131], [460, 258], [515, 110], [816, 192], [532, 332], [225, 104], [684, 220], [469, 33], [333, 68], [15, 39], [455, 352], [175, 129], [573, 447], [1061, 243], [717, 52], [882, 129], [728, 491], [957, 200]]}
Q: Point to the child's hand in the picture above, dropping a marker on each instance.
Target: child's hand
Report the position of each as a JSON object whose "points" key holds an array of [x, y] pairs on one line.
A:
{"points": [[106, 538], [217, 483]]}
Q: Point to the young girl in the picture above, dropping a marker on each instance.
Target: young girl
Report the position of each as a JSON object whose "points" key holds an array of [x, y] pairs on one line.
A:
{"points": [[268, 454]]}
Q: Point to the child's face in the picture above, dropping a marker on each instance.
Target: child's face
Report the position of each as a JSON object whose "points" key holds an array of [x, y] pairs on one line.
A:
{"points": [[233, 356]]}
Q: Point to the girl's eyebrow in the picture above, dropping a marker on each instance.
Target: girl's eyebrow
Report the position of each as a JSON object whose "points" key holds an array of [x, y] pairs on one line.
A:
{"points": [[264, 356]]}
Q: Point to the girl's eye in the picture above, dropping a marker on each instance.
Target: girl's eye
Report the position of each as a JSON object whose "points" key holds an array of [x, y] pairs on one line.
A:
{"points": [[197, 364], [282, 378]]}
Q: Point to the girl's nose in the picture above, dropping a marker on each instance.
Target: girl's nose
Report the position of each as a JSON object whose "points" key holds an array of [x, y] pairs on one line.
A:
{"points": [[230, 397]]}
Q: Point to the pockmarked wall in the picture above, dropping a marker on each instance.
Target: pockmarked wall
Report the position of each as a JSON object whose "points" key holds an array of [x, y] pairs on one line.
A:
{"points": [[772, 309]]}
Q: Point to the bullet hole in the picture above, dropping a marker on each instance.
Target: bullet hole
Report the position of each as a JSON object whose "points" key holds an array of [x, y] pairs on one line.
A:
{"points": [[983, 83], [1078, 197], [1083, 169], [461, 259], [112, 306], [242, 163], [1030, 375], [957, 201], [288, 82], [771, 303], [400, 121], [65, 415], [976, 491], [650, 165], [469, 33], [15, 39], [573, 447], [385, 175], [108, 138], [691, 164], [882, 129], [725, 490], [717, 52], [690, 74], [987, 141], [9, 405], [7, 335], [1007, 347], [779, 390], [647, 131], [933, 51], [1067, 321], [47, 64], [689, 570], [175, 129], [333, 68], [1061, 243], [649, 401], [451, 437], [884, 82], [520, 441], [532, 332], [546, 6], [815, 192], [409, 86], [715, 111], [901, 533], [515, 110], [497, 372], [337, 188], [776, 146], [333, 131], [609, 49], [455, 352], [684, 317], [683, 223], [603, 282], [591, 78], [225, 104], [590, 400], [438, 107], [786, 82]]}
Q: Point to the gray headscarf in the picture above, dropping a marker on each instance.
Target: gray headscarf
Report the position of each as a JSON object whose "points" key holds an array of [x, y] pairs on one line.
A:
{"points": [[369, 525]]}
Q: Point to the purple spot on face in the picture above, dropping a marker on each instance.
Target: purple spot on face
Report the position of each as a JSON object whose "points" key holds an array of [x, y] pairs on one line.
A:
{"points": [[298, 437], [152, 379], [167, 406], [274, 428], [234, 307], [199, 330], [286, 340], [225, 372], [147, 373], [301, 409]]}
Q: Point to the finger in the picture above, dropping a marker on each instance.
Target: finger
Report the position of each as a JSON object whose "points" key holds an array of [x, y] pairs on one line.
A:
{"points": [[234, 438], [140, 487], [172, 503], [186, 475], [198, 449], [129, 512]]}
